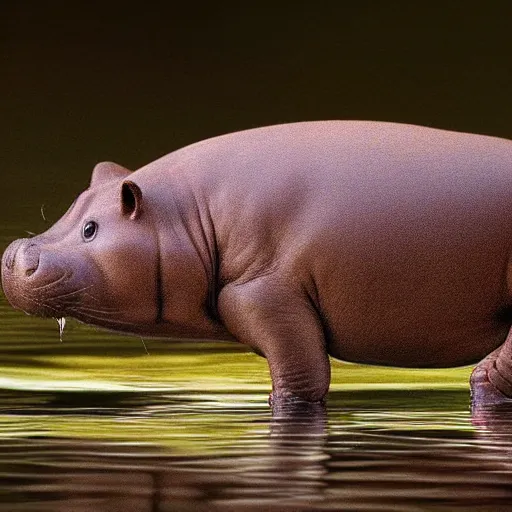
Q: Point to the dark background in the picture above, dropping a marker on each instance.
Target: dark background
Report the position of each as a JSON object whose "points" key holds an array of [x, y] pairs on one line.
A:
{"points": [[83, 82]]}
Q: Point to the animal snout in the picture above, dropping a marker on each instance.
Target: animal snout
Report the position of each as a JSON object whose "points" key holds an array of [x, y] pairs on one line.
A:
{"points": [[21, 258], [30, 259]]}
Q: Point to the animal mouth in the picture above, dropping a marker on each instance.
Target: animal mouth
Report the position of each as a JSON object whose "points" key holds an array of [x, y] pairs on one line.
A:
{"points": [[45, 298], [53, 298]]}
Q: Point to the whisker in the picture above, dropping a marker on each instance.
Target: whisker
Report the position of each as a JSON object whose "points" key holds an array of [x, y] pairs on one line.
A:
{"points": [[42, 213], [40, 303], [92, 297], [53, 283], [145, 348], [74, 292], [102, 319], [104, 311]]}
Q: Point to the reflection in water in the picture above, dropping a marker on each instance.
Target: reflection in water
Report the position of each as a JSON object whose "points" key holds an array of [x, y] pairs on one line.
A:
{"points": [[364, 454]]}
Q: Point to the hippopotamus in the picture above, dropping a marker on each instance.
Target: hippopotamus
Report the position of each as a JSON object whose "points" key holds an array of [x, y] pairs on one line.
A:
{"points": [[371, 242]]}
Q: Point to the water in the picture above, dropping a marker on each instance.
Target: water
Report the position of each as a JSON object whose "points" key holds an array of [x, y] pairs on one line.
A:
{"points": [[385, 450], [95, 423], [62, 325]]}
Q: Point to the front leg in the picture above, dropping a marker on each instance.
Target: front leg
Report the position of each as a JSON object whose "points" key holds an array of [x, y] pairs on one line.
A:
{"points": [[282, 325]]}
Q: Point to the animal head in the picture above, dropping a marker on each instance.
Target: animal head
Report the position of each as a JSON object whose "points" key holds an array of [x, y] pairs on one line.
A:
{"points": [[98, 263]]}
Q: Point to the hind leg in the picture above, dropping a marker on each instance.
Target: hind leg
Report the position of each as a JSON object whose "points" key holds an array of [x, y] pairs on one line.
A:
{"points": [[491, 380]]}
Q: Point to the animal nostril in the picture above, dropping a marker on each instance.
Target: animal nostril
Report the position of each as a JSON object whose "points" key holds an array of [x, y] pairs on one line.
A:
{"points": [[31, 259], [30, 271], [24, 257]]}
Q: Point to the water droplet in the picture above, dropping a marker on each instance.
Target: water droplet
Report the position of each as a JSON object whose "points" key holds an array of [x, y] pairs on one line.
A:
{"points": [[145, 348], [62, 324]]}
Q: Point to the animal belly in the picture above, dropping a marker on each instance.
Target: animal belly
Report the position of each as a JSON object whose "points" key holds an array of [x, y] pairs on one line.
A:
{"points": [[421, 349]]}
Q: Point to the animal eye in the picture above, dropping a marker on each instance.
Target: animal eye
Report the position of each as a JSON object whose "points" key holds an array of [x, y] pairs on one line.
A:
{"points": [[89, 230]]}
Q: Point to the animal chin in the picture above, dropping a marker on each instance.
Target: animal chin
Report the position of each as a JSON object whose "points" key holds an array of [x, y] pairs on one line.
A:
{"points": [[44, 306], [46, 299], [31, 304], [105, 318]]}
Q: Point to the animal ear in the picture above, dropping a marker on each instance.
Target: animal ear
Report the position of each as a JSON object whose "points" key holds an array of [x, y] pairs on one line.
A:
{"points": [[108, 171], [131, 199]]}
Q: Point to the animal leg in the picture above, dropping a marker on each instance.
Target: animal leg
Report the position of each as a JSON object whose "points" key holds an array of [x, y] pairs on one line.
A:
{"points": [[491, 380], [284, 327]]}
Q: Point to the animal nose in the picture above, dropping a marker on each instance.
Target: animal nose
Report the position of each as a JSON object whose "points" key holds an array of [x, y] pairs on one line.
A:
{"points": [[29, 259], [21, 257]]}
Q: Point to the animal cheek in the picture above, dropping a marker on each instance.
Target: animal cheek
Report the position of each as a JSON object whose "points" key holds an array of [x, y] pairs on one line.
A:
{"points": [[127, 274]]}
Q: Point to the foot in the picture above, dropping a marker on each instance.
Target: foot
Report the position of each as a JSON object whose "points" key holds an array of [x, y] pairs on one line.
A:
{"points": [[294, 406], [483, 391]]}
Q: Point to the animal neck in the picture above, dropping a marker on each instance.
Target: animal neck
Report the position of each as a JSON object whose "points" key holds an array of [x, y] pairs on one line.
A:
{"points": [[186, 281]]}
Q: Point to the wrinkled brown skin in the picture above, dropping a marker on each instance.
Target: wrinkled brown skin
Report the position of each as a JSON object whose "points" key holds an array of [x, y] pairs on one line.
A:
{"points": [[374, 243]]}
